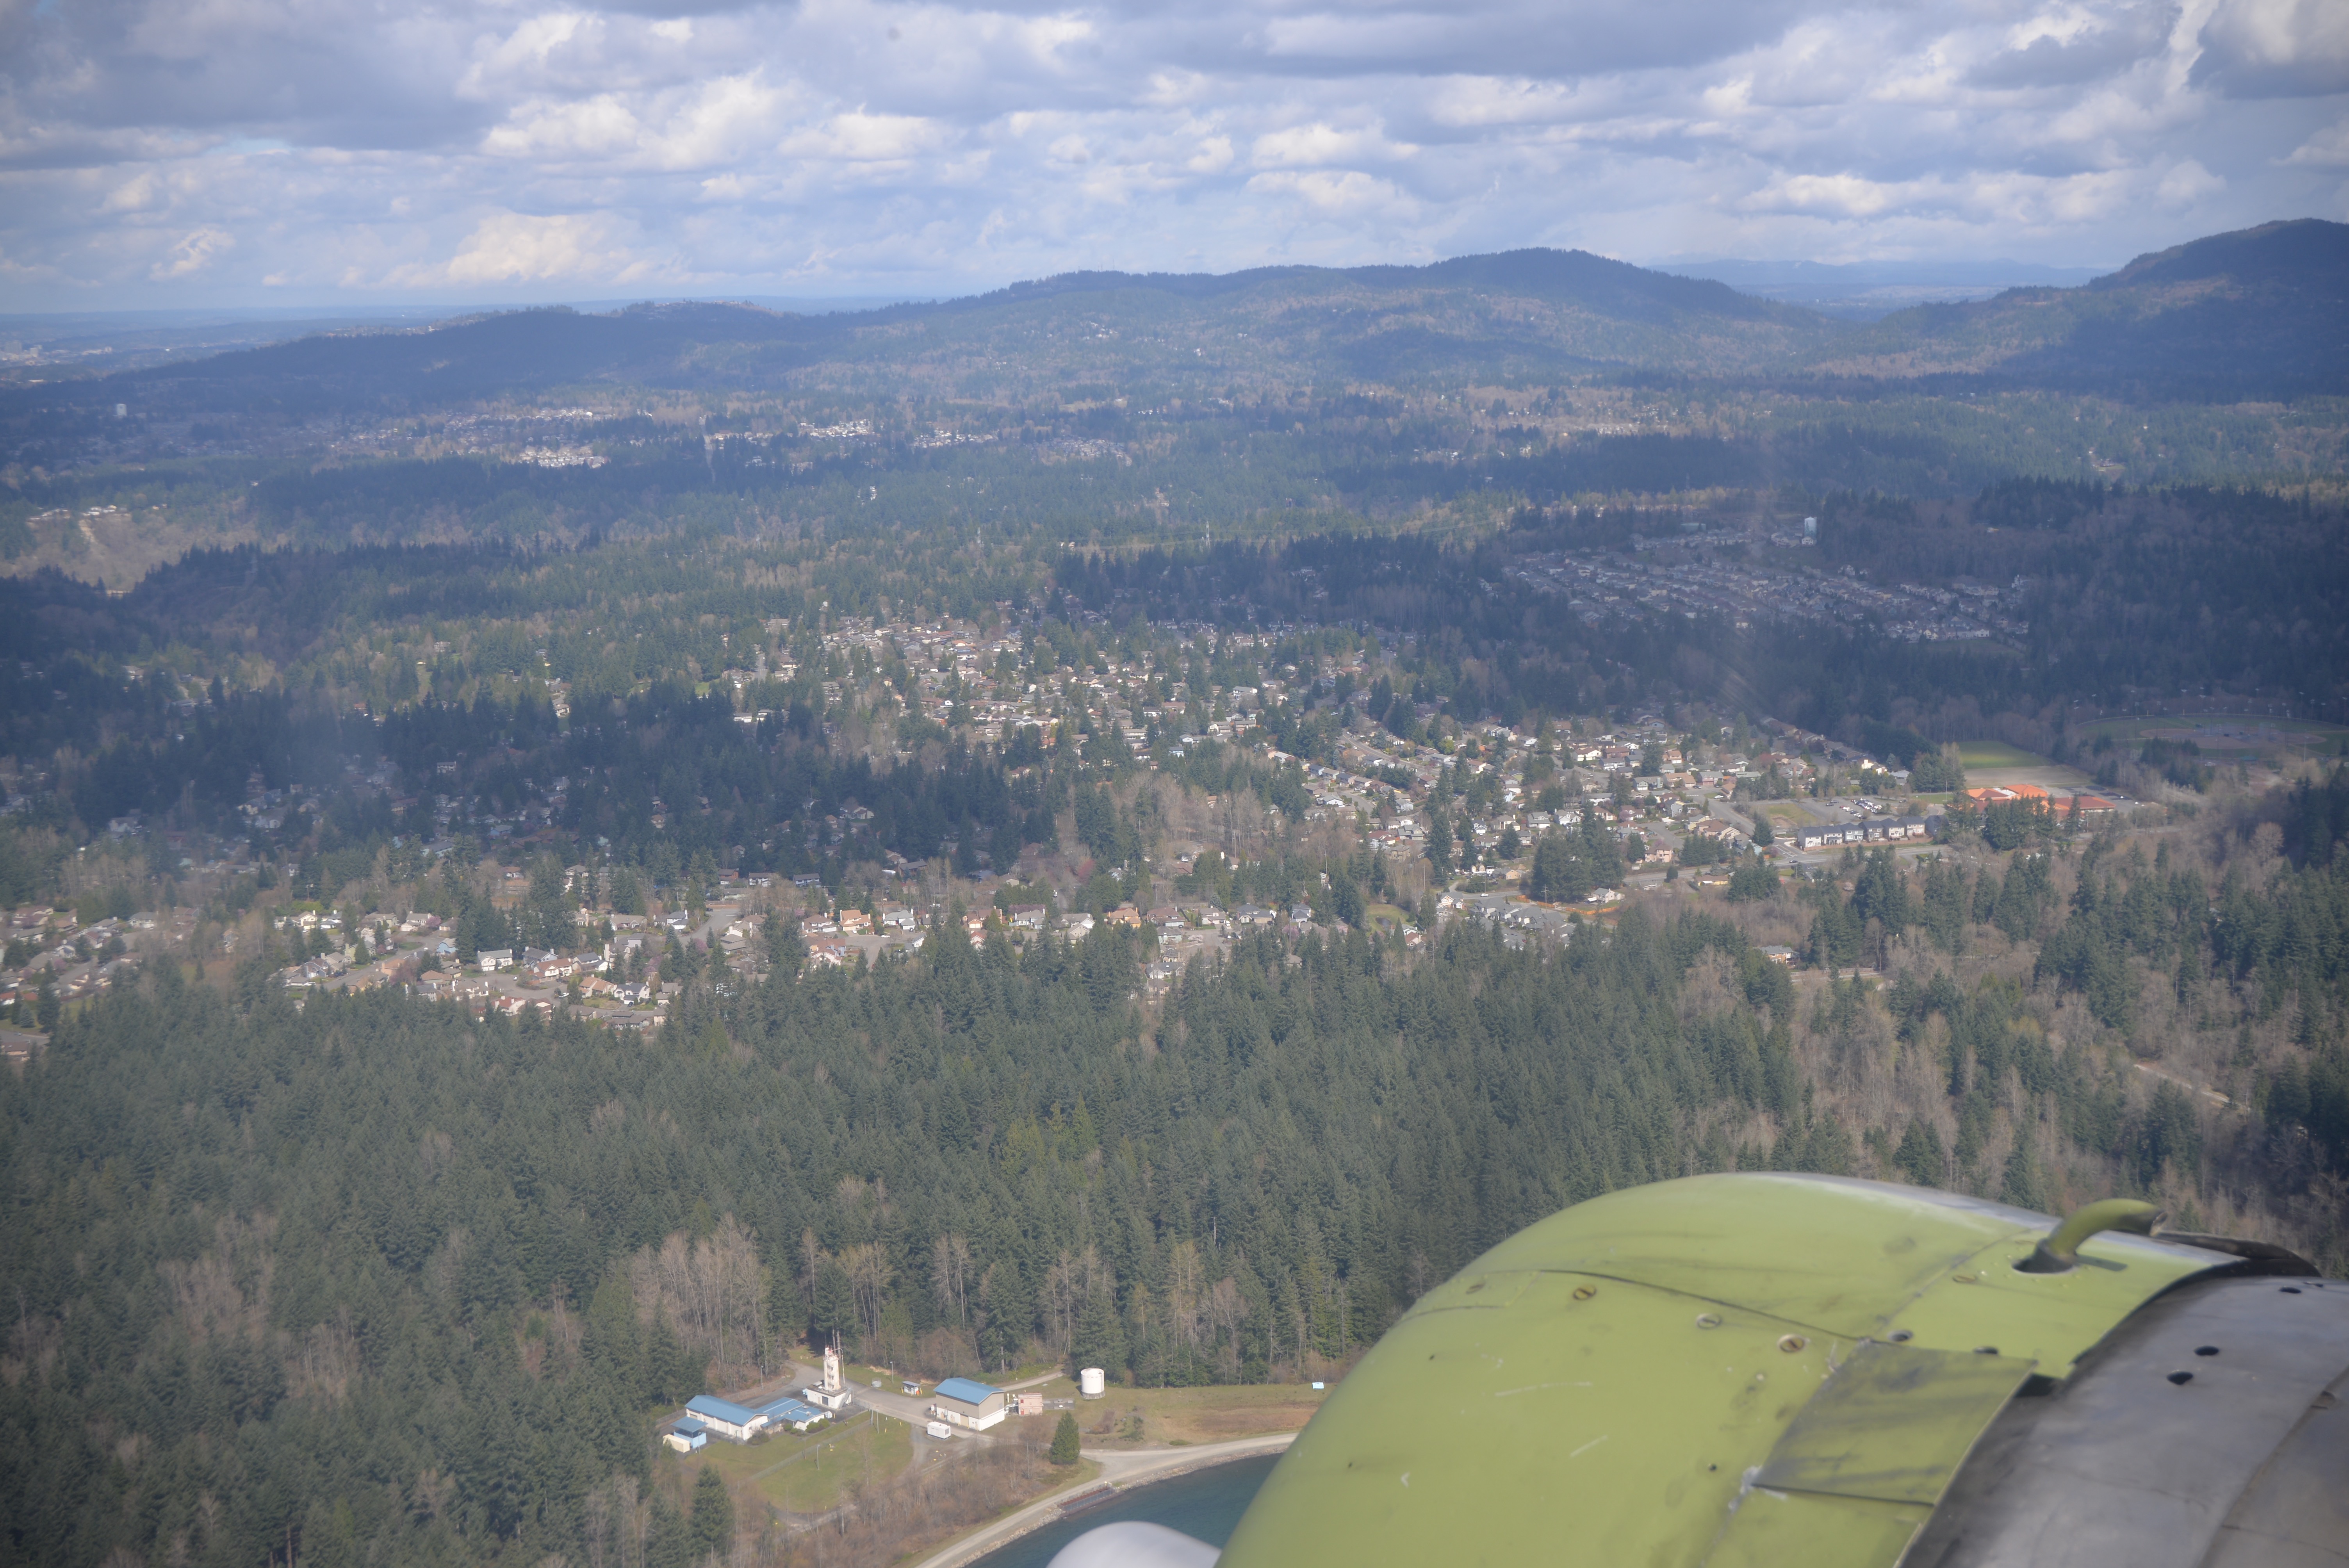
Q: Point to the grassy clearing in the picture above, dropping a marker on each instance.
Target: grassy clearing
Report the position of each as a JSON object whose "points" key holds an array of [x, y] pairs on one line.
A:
{"points": [[812, 1474], [2314, 734], [1150, 1418], [1996, 754], [860, 1376]]}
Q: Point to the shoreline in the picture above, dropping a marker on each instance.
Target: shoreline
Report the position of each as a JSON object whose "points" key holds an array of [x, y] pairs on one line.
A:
{"points": [[1151, 1465]]}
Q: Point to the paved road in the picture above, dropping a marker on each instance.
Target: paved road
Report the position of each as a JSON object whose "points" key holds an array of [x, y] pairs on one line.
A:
{"points": [[889, 1401], [1120, 1467], [1028, 1382]]}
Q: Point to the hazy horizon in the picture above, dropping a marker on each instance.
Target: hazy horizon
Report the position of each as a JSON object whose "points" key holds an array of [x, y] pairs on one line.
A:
{"points": [[159, 153], [1952, 277]]}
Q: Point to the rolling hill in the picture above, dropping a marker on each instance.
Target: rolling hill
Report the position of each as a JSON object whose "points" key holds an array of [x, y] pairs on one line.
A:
{"points": [[1524, 316], [2261, 313]]}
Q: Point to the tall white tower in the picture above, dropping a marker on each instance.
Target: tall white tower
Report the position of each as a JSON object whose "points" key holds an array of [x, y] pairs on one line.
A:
{"points": [[832, 1383]]}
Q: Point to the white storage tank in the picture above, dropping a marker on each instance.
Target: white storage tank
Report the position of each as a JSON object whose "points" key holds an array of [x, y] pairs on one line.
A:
{"points": [[1092, 1382]]}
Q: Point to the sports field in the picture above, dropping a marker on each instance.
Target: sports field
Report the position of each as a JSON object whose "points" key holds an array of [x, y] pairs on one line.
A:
{"points": [[1995, 754], [1996, 762]]}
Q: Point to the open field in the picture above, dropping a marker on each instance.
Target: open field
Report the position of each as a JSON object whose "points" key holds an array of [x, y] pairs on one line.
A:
{"points": [[1995, 754], [1994, 762], [859, 1375], [2228, 734], [814, 1474], [1136, 1417]]}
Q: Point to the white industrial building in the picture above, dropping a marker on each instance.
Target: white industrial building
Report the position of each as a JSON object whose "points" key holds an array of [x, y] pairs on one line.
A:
{"points": [[967, 1402]]}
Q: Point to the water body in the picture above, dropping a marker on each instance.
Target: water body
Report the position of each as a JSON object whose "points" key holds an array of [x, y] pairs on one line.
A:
{"points": [[1204, 1503]]}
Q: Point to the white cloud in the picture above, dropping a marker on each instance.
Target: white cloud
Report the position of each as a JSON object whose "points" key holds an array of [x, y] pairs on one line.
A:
{"points": [[2189, 181], [504, 149], [194, 251], [2328, 149], [1214, 156], [859, 137], [1833, 195], [1310, 146], [597, 127], [1336, 193], [513, 247], [2276, 49]]}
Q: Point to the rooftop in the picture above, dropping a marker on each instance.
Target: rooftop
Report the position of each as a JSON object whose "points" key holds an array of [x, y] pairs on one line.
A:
{"points": [[714, 1407], [967, 1390], [790, 1412]]}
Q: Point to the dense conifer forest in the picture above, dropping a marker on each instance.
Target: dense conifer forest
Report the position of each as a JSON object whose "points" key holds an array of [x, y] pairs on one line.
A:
{"points": [[407, 1282], [1132, 822]]}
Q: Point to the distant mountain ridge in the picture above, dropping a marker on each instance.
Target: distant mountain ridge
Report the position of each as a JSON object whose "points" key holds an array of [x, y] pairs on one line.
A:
{"points": [[1868, 290], [1539, 271], [2260, 313], [1517, 316]]}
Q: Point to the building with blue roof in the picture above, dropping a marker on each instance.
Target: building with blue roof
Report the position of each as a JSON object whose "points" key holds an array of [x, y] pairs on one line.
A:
{"points": [[687, 1436], [967, 1402], [792, 1413], [725, 1419]]}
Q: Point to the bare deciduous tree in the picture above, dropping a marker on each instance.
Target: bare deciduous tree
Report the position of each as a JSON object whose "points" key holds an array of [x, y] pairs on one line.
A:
{"points": [[711, 1290], [950, 1275], [869, 1273], [1185, 1285]]}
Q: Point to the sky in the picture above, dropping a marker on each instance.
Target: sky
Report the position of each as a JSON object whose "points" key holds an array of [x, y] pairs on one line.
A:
{"points": [[188, 153]]}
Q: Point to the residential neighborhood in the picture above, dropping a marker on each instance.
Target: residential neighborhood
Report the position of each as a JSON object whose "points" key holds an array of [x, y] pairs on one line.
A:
{"points": [[1457, 812]]}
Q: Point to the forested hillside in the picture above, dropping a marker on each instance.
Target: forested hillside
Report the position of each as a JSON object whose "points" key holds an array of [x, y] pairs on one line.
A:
{"points": [[553, 863], [2261, 311], [406, 1284]]}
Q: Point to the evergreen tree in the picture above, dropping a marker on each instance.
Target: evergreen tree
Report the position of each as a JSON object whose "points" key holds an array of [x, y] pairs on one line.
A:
{"points": [[1099, 1338], [1921, 1156], [2023, 1185], [1559, 875], [1065, 1440], [835, 1302], [713, 1516], [668, 1543]]}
